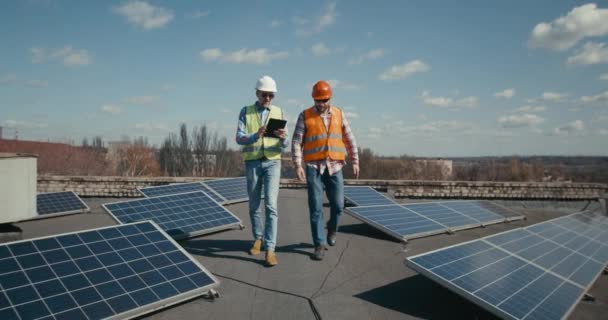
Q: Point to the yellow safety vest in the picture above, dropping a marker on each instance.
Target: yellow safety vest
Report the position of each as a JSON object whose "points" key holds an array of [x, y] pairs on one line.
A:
{"points": [[264, 147]]}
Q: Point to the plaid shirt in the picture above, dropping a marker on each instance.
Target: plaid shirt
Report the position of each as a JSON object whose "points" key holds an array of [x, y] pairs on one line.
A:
{"points": [[332, 166]]}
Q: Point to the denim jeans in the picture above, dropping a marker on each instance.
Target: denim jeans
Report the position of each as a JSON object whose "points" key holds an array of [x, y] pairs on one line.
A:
{"points": [[334, 188], [264, 174]]}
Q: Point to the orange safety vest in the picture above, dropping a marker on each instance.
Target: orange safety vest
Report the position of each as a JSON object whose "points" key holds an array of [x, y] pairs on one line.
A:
{"points": [[321, 142]]}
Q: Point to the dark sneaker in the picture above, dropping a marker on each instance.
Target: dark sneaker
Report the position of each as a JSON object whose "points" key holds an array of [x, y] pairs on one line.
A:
{"points": [[331, 238], [319, 253]]}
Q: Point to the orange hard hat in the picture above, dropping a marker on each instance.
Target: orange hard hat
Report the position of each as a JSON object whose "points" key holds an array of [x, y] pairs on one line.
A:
{"points": [[321, 90]]}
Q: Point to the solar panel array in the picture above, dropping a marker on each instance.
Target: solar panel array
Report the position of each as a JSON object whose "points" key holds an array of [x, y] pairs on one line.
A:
{"points": [[231, 189], [180, 215], [115, 272], [409, 221], [537, 272], [59, 203], [365, 196]]}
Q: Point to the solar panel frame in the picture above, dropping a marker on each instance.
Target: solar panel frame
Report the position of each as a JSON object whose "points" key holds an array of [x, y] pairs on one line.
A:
{"points": [[60, 213], [217, 186], [373, 191], [183, 235], [162, 303], [353, 212]]}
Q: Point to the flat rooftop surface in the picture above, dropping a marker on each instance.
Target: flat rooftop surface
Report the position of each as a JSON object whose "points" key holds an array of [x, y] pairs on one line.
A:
{"points": [[362, 277]]}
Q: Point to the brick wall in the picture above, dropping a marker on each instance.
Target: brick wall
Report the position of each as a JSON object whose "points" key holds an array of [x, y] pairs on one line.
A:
{"points": [[88, 186]]}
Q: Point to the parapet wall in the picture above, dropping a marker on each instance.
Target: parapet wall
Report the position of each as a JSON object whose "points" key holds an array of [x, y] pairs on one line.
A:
{"points": [[88, 186]]}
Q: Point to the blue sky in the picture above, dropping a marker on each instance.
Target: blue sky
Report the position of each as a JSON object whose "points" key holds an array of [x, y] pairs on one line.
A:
{"points": [[424, 78]]}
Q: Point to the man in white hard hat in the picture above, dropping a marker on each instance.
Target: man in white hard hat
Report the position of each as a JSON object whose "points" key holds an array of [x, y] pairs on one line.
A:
{"points": [[262, 155]]}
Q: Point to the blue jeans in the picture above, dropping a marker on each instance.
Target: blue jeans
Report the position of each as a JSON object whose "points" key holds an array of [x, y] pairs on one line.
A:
{"points": [[264, 174], [334, 188]]}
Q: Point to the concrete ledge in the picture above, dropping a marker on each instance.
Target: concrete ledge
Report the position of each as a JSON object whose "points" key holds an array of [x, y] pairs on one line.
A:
{"points": [[94, 186]]}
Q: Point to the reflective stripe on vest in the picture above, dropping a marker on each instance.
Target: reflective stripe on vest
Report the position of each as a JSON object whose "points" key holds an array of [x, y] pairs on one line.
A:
{"points": [[264, 147], [320, 142]]}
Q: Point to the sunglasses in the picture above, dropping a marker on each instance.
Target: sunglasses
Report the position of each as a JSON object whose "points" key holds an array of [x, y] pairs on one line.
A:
{"points": [[267, 95], [322, 101]]}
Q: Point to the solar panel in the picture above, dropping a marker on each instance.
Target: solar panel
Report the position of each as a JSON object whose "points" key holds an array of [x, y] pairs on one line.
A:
{"points": [[537, 272], [443, 215], [473, 210], [180, 215], [59, 203], [509, 214], [397, 221], [231, 189], [365, 196], [178, 188], [116, 272]]}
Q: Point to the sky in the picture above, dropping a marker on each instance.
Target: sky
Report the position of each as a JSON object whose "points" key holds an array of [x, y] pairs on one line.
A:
{"points": [[422, 78]]}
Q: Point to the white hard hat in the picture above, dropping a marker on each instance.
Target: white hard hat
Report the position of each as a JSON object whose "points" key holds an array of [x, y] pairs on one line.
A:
{"points": [[267, 84]]}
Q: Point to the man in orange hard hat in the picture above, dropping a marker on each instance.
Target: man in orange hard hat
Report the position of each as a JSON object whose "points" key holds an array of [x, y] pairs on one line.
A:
{"points": [[262, 155], [322, 138]]}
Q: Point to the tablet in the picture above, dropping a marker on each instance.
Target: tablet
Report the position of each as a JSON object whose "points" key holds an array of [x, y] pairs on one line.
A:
{"points": [[274, 124]]}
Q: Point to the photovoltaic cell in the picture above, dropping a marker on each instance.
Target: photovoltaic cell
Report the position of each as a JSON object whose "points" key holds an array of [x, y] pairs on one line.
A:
{"points": [[397, 221], [365, 196], [537, 272], [231, 189], [115, 272], [509, 214], [472, 210], [180, 215], [59, 203]]}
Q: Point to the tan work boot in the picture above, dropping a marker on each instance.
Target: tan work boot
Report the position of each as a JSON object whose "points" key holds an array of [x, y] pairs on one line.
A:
{"points": [[271, 258], [257, 247]]}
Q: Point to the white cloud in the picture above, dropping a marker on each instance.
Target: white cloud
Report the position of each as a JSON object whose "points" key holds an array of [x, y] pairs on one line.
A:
{"points": [[275, 23], [352, 115], [375, 130], [564, 32], [144, 99], [590, 53], [320, 49], [112, 109], [549, 97], [318, 24], [519, 121], [328, 18], [37, 83], [146, 126], [467, 102], [507, 93], [337, 84], [529, 109], [255, 56], [603, 132], [434, 127], [23, 124], [604, 76], [8, 78], [598, 98], [69, 56], [37, 55], [369, 56], [572, 127], [145, 15], [200, 14], [404, 70]]}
